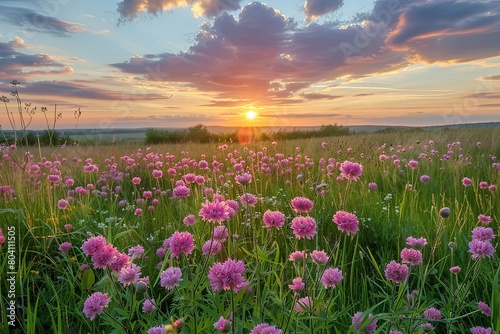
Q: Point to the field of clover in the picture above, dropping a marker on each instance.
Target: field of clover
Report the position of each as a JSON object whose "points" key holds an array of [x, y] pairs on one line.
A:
{"points": [[368, 233]]}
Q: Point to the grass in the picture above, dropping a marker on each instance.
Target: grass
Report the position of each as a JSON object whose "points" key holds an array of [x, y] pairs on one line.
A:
{"points": [[51, 286]]}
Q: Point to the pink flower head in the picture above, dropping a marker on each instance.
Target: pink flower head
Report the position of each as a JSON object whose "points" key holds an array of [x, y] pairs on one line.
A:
{"points": [[304, 304], [455, 269], [304, 227], [62, 204], [180, 192], [170, 278], [319, 257], [274, 219], [411, 256], [223, 325], [136, 180], [346, 222], [189, 220], [351, 170], [211, 247], [302, 204], [297, 256], [181, 242], [129, 275], [216, 211], [480, 248], [104, 257], [483, 185], [297, 284], [358, 319], [93, 245], [331, 277], [95, 304], [136, 251], [414, 242], [244, 178], [395, 331], [413, 164], [227, 275], [466, 181], [480, 330], [148, 306], [396, 272], [425, 178], [484, 219], [220, 233], [492, 188], [64, 247], [265, 328], [372, 186], [248, 199], [483, 233], [485, 309], [432, 313]]}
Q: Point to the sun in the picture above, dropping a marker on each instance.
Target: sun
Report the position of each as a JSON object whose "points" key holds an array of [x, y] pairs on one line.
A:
{"points": [[251, 115]]}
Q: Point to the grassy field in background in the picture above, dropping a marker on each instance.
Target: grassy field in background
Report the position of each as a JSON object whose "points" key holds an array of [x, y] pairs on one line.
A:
{"points": [[56, 199]]}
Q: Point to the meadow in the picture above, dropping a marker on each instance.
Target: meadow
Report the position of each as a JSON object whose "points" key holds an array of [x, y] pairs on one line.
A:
{"points": [[368, 233]]}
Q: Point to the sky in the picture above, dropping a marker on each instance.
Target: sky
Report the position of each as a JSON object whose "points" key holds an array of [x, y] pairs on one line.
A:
{"points": [[178, 63]]}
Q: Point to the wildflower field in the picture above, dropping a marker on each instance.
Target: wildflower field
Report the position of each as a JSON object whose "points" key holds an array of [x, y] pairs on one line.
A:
{"points": [[368, 233]]}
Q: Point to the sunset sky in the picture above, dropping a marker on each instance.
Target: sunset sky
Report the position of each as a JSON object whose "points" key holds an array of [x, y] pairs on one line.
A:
{"points": [[177, 63]]}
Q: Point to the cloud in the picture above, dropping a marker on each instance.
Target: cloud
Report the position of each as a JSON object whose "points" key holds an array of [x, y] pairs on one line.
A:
{"points": [[33, 21], [21, 66], [491, 78], [448, 30], [319, 96], [262, 57], [130, 9], [317, 8], [180, 118], [304, 115], [80, 89]]}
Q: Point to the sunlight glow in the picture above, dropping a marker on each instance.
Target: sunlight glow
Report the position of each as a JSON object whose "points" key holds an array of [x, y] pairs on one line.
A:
{"points": [[251, 114]]}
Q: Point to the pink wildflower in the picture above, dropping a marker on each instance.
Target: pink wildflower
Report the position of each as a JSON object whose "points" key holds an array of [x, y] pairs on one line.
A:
{"points": [[319, 257], [265, 328], [248, 199], [243, 179], [136, 180], [136, 251], [189, 220], [211, 247], [93, 245], [296, 256], [302, 204], [413, 164], [274, 219], [372, 186], [351, 170], [480, 330], [432, 313], [181, 242], [214, 211], [62, 204], [95, 304], [466, 181], [358, 319], [304, 304], [483, 185], [483, 233], [414, 242], [485, 309], [297, 284], [346, 222], [412, 256], [455, 269], [304, 227], [104, 258], [220, 233], [170, 278], [148, 306], [484, 219], [396, 272], [331, 277], [223, 325], [129, 275], [425, 178], [227, 275], [65, 246], [180, 192], [480, 248]]}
